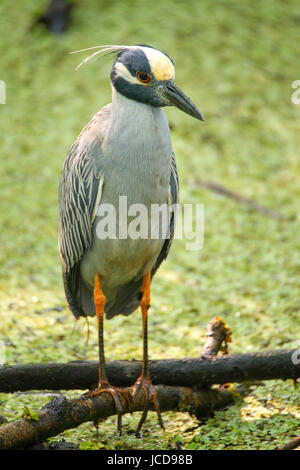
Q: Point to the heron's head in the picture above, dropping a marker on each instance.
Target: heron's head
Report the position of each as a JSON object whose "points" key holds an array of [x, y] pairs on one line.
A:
{"points": [[146, 75]]}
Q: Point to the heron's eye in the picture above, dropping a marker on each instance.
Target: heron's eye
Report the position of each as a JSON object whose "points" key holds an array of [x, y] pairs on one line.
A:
{"points": [[143, 77]]}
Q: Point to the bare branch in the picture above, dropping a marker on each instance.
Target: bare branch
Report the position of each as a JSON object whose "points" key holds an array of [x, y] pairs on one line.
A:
{"points": [[61, 414], [186, 372], [218, 188], [293, 444]]}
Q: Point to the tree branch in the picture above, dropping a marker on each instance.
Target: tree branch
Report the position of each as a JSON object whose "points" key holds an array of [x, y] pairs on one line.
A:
{"points": [[218, 188], [186, 372], [293, 444], [62, 414]]}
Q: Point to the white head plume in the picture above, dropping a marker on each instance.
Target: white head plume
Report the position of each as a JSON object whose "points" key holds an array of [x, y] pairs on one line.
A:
{"points": [[107, 48]]}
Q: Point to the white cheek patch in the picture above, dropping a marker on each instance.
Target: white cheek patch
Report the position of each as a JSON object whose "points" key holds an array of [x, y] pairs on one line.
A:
{"points": [[125, 74], [161, 66]]}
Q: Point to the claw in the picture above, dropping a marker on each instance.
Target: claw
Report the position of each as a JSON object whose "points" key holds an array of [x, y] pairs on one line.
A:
{"points": [[113, 391], [145, 384]]}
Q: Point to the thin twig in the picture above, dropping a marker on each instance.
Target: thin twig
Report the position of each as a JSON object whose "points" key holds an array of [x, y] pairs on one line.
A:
{"points": [[218, 188]]}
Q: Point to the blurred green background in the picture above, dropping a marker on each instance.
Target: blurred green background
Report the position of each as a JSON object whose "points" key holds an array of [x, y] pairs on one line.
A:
{"points": [[237, 61]]}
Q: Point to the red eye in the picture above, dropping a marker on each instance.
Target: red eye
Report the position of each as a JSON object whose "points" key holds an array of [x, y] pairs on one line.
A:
{"points": [[143, 77]]}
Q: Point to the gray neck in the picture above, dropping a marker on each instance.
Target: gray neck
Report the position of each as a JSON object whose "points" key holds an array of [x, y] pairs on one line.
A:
{"points": [[136, 127]]}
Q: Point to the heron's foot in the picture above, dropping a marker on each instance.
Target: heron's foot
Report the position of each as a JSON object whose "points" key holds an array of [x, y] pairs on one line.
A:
{"points": [[144, 383], [114, 392]]}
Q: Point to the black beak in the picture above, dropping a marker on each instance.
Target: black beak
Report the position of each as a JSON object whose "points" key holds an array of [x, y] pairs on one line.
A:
{"points": [[175, 97]]}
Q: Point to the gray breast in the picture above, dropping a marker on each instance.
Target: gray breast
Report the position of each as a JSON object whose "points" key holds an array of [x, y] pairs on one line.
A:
{"points": [[138, 154]]}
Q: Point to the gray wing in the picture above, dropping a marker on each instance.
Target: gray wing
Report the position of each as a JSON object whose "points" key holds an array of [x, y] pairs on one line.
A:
{"points": [[79, 196], [174, 199]]}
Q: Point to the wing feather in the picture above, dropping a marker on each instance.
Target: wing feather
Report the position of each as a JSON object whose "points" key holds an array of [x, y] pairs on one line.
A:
{"points": [[78, 195], [80, 191], [174, 199]]}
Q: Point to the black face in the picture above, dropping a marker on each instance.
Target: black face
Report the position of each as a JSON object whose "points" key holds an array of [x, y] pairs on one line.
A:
{"points": [[147, 89], [137, 64]]}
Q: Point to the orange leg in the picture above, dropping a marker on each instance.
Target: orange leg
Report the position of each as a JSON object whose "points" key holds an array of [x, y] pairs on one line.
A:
{"points": [[144, 381], [103, 383]]}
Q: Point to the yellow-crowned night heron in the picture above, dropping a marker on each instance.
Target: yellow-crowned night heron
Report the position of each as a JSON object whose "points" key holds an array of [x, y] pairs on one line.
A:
{"points": [[125, 150]]}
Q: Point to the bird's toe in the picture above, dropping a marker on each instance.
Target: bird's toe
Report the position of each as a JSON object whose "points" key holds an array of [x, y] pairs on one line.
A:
{"points": [[115, 393], [144, 384]]}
